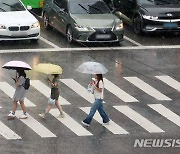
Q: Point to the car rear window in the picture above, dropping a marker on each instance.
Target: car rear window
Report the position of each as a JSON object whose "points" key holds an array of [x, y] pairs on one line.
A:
{"points": [[11, 5]]}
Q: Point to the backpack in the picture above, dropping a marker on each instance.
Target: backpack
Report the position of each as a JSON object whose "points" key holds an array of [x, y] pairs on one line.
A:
{"points": [[26, 84]]}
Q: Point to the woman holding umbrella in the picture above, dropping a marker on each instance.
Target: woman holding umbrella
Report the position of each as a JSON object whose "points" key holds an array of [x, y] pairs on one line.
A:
{"points": [[19, 94], [54, 96], [98, 90], [98, 87]]}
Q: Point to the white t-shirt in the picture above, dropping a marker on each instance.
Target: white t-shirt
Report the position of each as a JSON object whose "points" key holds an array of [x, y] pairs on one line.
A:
{"points": [[97, 94]]}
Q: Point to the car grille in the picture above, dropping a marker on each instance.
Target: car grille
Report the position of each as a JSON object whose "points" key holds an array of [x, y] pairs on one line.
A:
{"points": [[102, 35], [16, 28], [24, 28]]}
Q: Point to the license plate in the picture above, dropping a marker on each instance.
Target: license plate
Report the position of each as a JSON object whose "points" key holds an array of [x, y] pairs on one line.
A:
{"points": [[103, 36], [170, 25]]}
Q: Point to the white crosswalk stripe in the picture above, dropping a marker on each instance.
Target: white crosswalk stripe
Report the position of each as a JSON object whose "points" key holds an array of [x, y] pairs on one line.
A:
{"points": [[7, 133], [173, 117], [140, 120], [147, 88], [118, 92], [76, 127], [71, 123], [46, 91], [36, 126], [80, 90], [9, 90], [113, 127], [170, 81]]}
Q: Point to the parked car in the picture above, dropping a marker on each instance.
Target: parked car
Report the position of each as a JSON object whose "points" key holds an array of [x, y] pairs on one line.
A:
{"points": [[149, 15], [16, 22], [83, 20]]}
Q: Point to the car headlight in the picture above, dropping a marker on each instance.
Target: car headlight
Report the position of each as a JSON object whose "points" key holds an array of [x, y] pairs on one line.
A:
{"points": [[81, 28], [35, 25], [2, 27], [119, 26], [150, 17]]}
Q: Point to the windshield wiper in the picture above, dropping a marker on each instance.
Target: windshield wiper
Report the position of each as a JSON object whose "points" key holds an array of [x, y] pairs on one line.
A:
{"points": [[84, 8], [12, 6], [2, 9], [95, 8]]}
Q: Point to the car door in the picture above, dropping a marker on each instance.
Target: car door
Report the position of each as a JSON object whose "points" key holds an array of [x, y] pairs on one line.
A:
{"points": [[127, 8], [60, 15]]}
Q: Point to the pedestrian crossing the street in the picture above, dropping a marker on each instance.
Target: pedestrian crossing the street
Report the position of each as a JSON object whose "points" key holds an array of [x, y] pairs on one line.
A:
{"points": [[75, 125], [45, 90], [9, 91]]}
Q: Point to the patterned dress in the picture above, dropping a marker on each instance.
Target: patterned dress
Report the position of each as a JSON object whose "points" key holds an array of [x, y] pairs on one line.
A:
{"points": [[20, 91]]}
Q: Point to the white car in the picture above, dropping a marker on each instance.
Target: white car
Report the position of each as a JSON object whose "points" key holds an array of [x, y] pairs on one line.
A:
{"points": [[16, 22]]}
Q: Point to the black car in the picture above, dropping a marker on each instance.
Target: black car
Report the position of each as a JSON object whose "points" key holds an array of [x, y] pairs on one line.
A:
{"points": [[149, 15]]}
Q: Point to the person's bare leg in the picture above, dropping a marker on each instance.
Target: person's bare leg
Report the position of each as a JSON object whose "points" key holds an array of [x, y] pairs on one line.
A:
{"points": [[23, 106], [59, 106], [60, 109], [14, 106], [43, 115], [48, 108]]}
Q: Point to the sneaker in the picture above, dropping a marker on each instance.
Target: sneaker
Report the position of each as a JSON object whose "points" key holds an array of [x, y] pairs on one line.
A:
{"points": [[85, 124], [11, 115], [106, 123], [61, 115], [42, 115], [24, 116]]}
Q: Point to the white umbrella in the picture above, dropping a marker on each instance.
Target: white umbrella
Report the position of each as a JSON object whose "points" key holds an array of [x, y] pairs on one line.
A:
{"points": [[92, 68], [16, 65]]}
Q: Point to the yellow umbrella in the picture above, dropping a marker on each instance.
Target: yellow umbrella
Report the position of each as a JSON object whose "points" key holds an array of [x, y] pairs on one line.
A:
{"points": [[48, 68]]}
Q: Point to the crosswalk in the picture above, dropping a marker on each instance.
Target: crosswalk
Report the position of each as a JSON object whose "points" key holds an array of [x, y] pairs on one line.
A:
{"points": [[75, 125]]}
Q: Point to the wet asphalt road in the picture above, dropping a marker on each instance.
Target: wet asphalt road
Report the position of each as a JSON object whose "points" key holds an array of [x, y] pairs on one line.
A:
{"points": [[122, 64]]}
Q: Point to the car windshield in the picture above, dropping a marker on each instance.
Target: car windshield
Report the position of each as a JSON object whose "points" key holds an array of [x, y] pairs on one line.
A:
{"points": [[11, 5], [158, 2], [88, 7]]}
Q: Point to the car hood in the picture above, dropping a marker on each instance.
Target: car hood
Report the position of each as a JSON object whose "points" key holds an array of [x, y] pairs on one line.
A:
{"points": [[162, 10], [17, 18], [95, 20]]}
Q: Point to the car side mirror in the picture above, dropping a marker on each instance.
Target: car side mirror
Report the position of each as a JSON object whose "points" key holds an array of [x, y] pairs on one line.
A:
{"points": [[29, 7]]}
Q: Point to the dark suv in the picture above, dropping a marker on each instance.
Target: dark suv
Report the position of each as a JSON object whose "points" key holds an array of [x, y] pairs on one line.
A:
{"points": [[149, 15]]}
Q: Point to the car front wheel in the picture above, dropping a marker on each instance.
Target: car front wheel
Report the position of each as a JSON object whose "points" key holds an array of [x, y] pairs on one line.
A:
{"points": [[69, 34], [137, 26], [46, 21]]}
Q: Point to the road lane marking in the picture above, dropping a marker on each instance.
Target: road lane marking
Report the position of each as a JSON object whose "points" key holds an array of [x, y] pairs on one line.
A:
{"points": [[139, 119], [7, 133], [118, 92], [113, 127], [50, 43], [71, 123], [132, 41], [135, 48], [170, 81], [35, 126], [173, 117], [46, 91], [147, 88], [80, 90], [9, 90]]}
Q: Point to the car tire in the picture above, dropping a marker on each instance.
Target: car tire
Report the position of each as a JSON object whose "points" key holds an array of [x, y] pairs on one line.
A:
{"points": [[137, 25], [69, 34], [46, 21]]}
